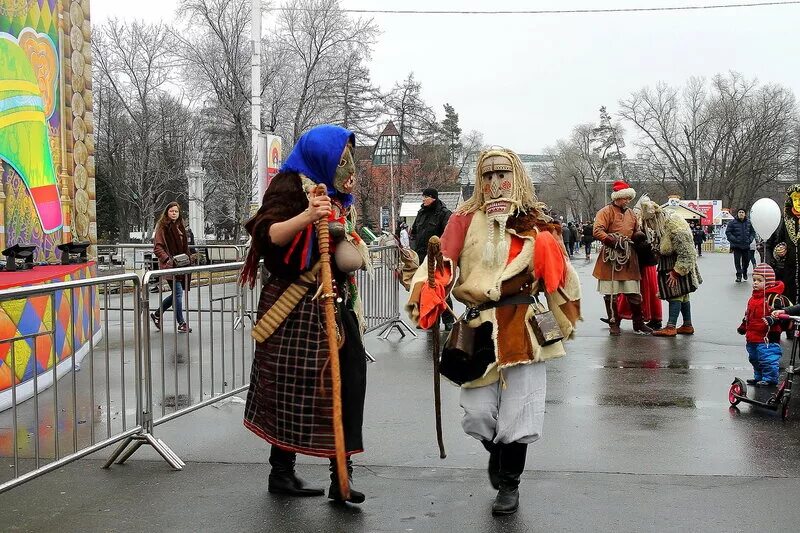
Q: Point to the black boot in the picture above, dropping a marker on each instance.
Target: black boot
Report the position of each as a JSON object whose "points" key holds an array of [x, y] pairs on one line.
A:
{"points": [[494, 462], [333, 491], [512, 463], [654, 324], [282, 479]]}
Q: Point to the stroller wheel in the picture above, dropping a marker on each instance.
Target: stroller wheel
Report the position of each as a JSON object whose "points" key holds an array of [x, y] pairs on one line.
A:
{"points": [[785, 408], [738, 388]]}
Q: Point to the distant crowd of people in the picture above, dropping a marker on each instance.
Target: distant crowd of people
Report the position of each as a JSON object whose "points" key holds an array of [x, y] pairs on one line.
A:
{"points": [[648, 254], [578, 235]]}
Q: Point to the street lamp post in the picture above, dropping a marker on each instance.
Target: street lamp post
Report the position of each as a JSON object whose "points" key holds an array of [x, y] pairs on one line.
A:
{"points": [[255, 105], [697, 180], [391, 189]]}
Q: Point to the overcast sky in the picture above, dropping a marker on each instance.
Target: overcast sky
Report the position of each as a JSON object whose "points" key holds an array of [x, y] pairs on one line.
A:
{"points": [[526, 80]]}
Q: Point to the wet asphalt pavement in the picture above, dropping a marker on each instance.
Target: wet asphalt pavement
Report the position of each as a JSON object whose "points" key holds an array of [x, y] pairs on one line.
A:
{"points": [[639, 435]]}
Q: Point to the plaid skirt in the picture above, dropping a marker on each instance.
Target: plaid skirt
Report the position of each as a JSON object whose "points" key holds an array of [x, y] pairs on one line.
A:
{"points": [[289, 403]]}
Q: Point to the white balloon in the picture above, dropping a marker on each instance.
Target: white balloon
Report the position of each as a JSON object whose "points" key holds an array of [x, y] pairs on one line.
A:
{"points": [[765, 215]]}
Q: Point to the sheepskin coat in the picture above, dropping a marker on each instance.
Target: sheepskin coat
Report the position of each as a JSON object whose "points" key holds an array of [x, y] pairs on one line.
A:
{"points": [[477, 282], [609, 220], [679, 241]]}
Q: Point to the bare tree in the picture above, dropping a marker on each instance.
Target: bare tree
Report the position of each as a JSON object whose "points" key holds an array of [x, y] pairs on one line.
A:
{"points": [[415, 120], [584, 164], [112, 131], [677, 129], [316, 35], [728, 139], [134, 59], [471, 145], [277, 78], [214, 48], [416, 123], [571, 172]]}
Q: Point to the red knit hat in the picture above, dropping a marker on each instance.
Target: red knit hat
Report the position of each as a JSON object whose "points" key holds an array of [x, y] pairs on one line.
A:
{"points": [[620, 189], [765, 271]]}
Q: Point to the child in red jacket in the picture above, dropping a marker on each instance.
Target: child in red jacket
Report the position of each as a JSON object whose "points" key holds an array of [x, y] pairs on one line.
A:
{"points": [[762, 334]]}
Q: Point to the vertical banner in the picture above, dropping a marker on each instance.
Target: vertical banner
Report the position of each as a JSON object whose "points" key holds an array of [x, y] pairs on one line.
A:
{"points": [[274, 157]]}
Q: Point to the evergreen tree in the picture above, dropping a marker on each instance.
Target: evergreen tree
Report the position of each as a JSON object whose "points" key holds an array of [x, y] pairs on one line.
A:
{"points": [[451, 134]]}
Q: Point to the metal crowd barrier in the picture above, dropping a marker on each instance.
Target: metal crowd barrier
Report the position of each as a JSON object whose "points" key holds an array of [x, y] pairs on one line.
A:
{"points": [[380, 292], [100, 404], [140, 257], [173, 373], [187, 371]]}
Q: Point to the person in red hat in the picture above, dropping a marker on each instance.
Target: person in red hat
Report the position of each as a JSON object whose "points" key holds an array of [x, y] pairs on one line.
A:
{"points": [[617, 266]]}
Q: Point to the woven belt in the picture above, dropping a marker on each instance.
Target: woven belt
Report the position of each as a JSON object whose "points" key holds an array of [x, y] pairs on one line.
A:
{"points": [[518, 299], [284, 305]]}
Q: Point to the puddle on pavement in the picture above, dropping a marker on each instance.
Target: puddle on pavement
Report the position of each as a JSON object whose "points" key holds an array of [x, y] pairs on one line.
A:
{"points": [[183, 400], [632, 400], [655, 364]]}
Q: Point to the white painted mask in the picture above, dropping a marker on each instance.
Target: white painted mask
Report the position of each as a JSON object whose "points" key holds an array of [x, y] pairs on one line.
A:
{"points": [[498, 186]]}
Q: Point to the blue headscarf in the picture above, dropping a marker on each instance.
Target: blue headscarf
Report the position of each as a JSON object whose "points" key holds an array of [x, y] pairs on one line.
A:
{"points": [[317, 154]]}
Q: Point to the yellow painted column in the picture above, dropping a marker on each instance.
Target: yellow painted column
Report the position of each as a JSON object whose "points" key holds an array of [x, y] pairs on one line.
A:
{"points": [[66, 231]]}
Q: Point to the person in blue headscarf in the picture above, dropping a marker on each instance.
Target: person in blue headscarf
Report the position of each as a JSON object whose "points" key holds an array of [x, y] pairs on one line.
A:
{"points": [[289, 402]]}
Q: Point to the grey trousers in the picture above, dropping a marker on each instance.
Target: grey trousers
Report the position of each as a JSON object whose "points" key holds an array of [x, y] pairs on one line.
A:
{"points": [[511, 414]]}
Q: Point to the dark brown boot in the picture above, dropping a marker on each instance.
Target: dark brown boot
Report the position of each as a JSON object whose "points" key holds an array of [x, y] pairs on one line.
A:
{"points": [[639, 325], [612, 321]]}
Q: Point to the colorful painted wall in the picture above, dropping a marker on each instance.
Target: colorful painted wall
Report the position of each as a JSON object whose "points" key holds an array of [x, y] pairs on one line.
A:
{"points": [[43, 327], [47, 194]]}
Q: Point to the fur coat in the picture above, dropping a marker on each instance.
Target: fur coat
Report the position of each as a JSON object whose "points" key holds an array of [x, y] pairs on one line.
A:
{"points": [[678, 240], [477, 282]]}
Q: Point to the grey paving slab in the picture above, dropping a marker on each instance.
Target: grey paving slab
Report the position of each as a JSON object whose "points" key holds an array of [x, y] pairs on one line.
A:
{"points": [[232, 497]]}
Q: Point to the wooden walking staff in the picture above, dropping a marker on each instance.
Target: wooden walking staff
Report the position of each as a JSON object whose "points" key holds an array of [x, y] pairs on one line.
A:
{"points": [[329, 311], [435, 261]]}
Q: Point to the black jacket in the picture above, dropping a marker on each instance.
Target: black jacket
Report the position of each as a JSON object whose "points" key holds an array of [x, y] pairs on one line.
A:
{"points": [[430, 221], [740, 233], [573, 233], [699, 235], [588, 234]]}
